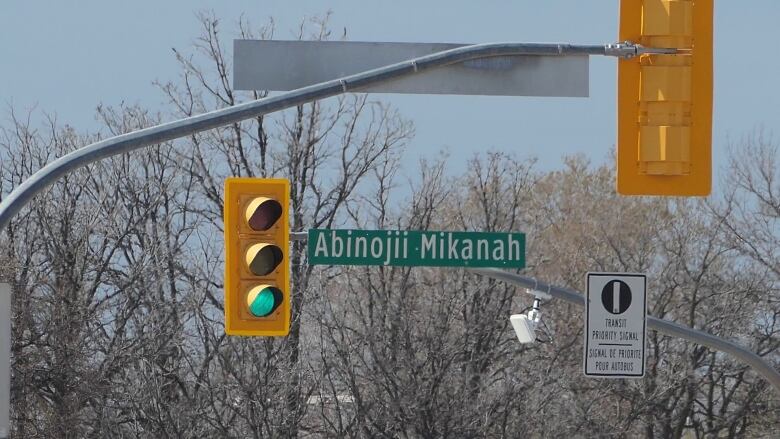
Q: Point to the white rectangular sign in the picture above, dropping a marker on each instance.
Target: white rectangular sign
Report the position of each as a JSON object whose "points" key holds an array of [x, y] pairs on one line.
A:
{"points": [[287, 65], [615, 325]]}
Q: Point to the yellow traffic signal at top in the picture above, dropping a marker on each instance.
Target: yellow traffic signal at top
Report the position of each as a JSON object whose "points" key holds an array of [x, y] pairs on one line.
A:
{"points": [[257, 241], [665, 101]]}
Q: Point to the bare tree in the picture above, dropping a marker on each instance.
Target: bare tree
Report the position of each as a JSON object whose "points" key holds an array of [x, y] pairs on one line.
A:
{"points": [[117, 270], [327, 150], [118, 286]]}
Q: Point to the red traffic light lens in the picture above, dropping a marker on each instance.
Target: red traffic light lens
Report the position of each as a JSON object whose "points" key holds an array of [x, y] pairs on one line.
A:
{"points": [[262, 213]]}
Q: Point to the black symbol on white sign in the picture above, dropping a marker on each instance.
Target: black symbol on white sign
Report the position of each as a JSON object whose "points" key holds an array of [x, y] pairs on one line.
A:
{"points": [[616, 297]]}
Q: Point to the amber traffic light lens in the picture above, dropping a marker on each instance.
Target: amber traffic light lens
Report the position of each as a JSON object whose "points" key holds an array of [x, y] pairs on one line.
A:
{"points": [[262, 258], [262, 213]]}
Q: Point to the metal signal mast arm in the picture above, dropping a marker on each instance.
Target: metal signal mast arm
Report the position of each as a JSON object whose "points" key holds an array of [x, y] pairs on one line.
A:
{"points": [[49, 174]]}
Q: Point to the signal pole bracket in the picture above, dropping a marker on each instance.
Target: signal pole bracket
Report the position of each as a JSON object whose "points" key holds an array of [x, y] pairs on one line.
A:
{"points": [[628, 50]]}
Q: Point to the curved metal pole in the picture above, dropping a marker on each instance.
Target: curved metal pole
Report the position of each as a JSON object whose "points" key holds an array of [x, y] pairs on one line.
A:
{"points": [[47, 175], [664, 326]]}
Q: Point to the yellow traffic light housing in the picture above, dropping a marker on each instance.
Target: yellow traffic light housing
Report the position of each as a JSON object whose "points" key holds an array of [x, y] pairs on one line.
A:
{"points": [[257, 267], [665, 101]]}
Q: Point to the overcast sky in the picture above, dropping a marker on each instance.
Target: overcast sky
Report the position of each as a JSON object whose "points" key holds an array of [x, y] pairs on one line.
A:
{"points": [[66, 57]]}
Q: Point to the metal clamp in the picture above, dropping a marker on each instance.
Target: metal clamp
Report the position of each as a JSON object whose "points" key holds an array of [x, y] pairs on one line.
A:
{"points": [[538, 293], [628, 50], [534, 314]]}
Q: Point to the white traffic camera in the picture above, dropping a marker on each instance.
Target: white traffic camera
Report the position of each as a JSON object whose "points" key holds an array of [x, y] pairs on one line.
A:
{"points": [[525, 326]]}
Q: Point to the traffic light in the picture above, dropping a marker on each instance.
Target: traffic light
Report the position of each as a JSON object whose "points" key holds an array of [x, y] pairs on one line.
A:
{"points": [[665, 101], [257, 266]]}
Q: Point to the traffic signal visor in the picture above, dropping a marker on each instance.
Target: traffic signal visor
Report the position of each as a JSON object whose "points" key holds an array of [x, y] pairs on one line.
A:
{"points": [[257, 241], [665, 101]]}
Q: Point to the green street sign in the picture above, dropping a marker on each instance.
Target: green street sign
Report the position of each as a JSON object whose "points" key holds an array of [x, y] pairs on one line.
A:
{"points": [[416, 248]]}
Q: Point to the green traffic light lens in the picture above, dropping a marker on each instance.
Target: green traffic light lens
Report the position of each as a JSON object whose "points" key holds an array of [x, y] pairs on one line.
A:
{"points": [[264, 300]]}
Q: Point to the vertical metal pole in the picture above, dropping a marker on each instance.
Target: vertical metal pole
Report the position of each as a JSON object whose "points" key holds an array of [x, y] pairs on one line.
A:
{"points": [[5, 360]]}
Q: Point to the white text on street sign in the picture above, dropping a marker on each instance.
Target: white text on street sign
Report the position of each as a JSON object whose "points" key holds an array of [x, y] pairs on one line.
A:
{"points": [[418, 248]]}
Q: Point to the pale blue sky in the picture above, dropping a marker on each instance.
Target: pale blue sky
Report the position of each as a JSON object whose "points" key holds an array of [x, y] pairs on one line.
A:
{"points": [[68, 56]]}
